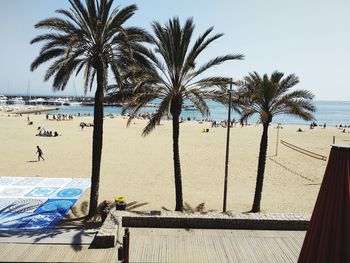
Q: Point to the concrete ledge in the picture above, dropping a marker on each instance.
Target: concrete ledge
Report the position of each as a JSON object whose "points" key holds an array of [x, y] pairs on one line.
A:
{"points": [[109, 233], [213, 223]]}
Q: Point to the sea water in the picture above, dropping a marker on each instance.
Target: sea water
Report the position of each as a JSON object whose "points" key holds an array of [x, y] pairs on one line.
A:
{"points": [[329, 112]]}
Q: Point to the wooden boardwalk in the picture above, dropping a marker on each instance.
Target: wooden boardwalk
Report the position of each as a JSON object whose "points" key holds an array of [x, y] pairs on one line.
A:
{"points": [[172, 245], [175, 245], [55, 253]]}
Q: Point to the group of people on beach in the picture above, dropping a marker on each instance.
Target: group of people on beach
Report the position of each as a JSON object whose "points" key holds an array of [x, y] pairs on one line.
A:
{"points": [[342, 127], [84, 124], [143, 115], [314, 124], [223, 124], [43, 132], [60, 117]]}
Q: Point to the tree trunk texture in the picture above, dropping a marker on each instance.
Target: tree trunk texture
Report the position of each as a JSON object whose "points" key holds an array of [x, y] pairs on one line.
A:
{"points": [[177, 167], [97, 141], [261, 170], [175, 110]]}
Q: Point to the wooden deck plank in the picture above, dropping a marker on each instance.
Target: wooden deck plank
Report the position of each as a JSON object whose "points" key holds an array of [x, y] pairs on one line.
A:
{"points": [[54, 253], [174, 245]]}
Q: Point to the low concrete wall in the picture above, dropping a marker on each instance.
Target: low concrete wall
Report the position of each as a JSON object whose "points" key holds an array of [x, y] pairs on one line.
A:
{"points": [[110, 233], [213, 223]]}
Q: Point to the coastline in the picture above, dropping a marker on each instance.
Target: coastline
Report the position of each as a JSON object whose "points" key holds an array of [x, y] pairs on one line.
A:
{"points": [[331, 113]]}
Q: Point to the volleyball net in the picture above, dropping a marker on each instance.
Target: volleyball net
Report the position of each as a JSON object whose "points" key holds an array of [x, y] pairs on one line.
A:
{"points": [[303, 151]]}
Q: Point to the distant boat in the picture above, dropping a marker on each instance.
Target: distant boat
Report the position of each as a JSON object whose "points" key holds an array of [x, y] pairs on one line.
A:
{"points": [[59, 102], [87, 103], [106, 104], [75, 103], [38, 101], [63, 101], [189, 107], [3, 99], [16, 100]]}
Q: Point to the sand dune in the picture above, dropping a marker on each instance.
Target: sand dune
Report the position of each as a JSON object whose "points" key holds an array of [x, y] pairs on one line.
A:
{"points": [[141, 168]]}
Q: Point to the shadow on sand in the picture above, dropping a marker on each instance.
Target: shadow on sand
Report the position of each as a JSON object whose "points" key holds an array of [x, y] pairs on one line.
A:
{"points": [[74, 237], [75, 229]]}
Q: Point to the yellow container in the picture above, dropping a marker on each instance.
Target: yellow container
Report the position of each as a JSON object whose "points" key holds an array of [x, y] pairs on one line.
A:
{"points": [[120, 203], [120, 199]]}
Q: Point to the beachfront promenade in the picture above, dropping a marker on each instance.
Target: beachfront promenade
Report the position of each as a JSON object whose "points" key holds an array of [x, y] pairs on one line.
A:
{"points": [[55, 253], [243, 238], [169, 245], [173, 245]]}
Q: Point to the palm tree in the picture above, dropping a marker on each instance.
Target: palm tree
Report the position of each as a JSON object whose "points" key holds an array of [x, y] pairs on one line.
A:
{"points": [[173, 76], [269, 97], [93, 37]]}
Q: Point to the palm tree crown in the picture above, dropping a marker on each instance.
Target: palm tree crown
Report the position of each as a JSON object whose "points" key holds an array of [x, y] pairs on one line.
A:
{"points": [[270, 97], [172, 75], [93, 37], [87, 37]]}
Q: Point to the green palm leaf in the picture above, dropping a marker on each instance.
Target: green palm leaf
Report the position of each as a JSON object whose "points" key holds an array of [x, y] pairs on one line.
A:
{"points": [[90, 36]]}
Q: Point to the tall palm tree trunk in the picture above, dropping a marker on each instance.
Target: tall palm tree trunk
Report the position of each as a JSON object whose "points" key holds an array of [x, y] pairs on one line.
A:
{"points": [[261, 169], [97, 141], [177, 168]]}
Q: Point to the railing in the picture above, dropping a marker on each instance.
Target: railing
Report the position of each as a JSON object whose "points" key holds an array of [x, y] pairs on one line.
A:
{"points": [[126, 242]]}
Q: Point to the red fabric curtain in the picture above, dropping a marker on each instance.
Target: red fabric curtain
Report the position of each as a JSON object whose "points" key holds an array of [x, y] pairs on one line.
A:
{"points": [[328, 235]]}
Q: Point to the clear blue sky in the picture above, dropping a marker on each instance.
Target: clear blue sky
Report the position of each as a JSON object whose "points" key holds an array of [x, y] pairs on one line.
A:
{"points": [[310, 38]]}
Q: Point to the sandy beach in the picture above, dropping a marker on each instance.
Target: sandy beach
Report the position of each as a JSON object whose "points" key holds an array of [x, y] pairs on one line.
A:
{"points": [[141, 168]]}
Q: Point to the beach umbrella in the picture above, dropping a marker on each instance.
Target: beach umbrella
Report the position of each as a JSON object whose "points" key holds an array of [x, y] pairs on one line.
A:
{"points": [[328, 235]]}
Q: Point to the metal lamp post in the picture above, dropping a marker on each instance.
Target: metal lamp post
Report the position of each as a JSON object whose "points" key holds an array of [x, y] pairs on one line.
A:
{"points": [[278, 136], [227, 146]]}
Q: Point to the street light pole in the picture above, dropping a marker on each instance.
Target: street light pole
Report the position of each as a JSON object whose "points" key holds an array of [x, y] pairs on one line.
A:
{"points": [[278, 135], [227, 147]]}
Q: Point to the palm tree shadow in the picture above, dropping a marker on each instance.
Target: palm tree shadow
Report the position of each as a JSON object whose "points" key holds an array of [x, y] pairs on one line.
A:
{"points": [[39, 235], [70, 230], [187, 208], [76, 241], [247, 212]]}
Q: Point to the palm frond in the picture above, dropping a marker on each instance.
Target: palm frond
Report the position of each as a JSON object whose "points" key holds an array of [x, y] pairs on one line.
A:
{"points": [[220, 82], [171, 65], [214, 62], [156, 118], [48, 55], [197, 98], [89, 33], [270, 96]]}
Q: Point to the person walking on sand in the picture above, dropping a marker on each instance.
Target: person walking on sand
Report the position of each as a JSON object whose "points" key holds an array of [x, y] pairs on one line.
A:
{"points": [[40, 154], [82, 125]]}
